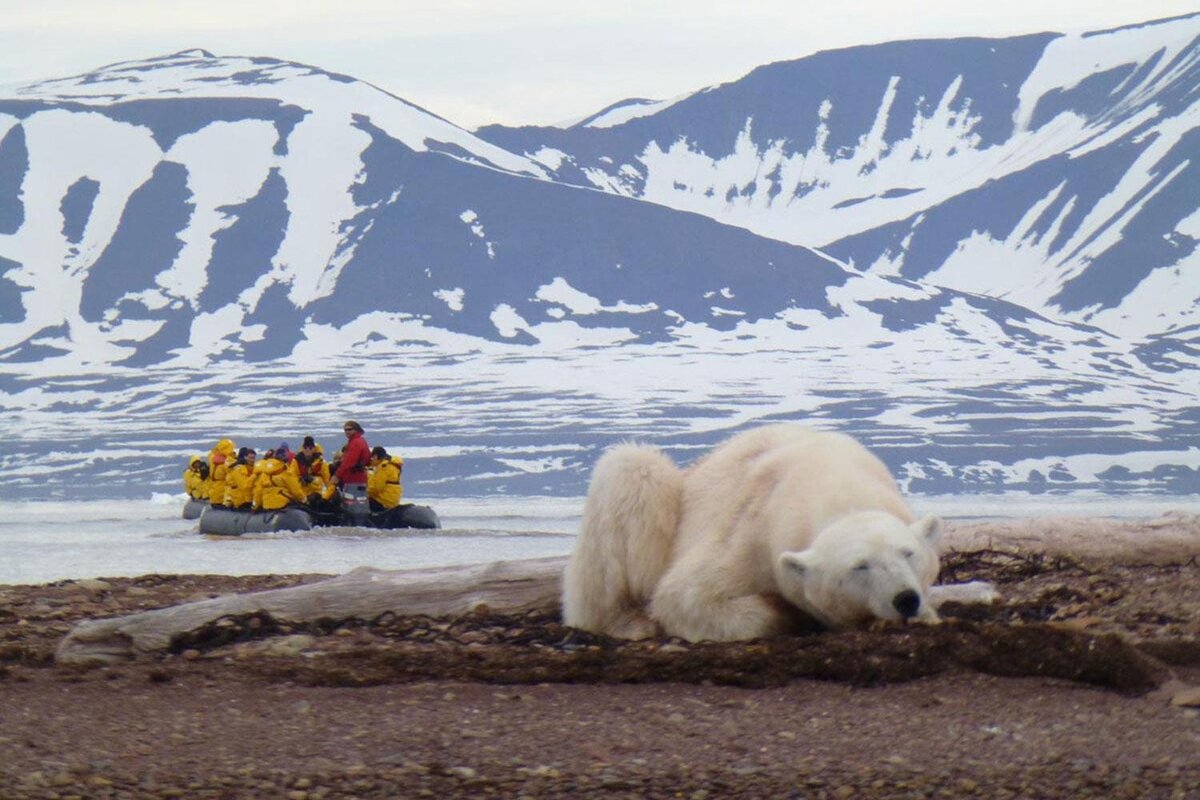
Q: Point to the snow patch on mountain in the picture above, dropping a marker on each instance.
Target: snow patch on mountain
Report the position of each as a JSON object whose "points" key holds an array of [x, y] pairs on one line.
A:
{"points": [[1030, 267], [577, 302], [628, 110], [242, 146], [453, 298], [1071, 59], [816, 196], [61, 149], [197, 74], [472, 219], [549, 157]]}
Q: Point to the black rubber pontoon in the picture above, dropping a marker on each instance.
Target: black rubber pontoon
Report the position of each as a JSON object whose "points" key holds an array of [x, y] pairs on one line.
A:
{"points": [[193, 508], [408, 515], [228, 522]]}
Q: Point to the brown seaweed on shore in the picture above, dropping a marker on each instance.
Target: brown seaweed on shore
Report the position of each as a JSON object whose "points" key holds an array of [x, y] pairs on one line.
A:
{"points": [[535, 647], [1113, 622]]}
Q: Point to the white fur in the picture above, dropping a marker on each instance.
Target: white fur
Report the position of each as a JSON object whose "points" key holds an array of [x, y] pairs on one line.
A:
{"points": [[780, 513], [629, 522], [980, 592]]}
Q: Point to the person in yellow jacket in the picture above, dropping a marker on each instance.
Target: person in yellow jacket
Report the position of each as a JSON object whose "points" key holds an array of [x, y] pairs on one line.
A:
{"points": [[220, 459], [195, 478], [239, 483], [202, 488], [276, 487], [383, 484], [191, 477], [310, 468], [312, 465]]}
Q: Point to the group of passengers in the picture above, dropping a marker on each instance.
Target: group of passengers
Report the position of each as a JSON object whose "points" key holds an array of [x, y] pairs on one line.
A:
{"points": [[237, 479]]}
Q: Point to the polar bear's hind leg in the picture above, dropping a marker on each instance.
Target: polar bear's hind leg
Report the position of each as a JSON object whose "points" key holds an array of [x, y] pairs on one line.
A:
{"points": [[625, 542]]}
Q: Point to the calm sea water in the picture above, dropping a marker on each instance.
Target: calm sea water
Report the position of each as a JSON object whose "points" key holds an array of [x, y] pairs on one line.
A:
{"points": [[41, 542]]}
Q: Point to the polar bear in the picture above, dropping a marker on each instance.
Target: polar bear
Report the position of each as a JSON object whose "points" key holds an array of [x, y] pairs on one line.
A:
{"points": [[775, 519]]}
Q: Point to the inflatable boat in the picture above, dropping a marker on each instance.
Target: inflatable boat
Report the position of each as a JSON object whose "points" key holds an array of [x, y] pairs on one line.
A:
{"points": [[229, 522], [193, 508]]}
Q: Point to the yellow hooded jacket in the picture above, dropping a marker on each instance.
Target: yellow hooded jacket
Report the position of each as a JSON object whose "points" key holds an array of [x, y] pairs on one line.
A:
{"points": [[196, 484], [220, 459], [239, 486], [319, 472], [191, 478], [383, 484], [276, 486]]}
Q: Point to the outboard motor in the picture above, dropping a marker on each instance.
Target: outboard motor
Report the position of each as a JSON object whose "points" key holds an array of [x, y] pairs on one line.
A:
{"points": [[356, 510]]}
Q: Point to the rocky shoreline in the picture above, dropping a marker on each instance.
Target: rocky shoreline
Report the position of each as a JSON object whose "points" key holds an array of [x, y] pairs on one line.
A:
{"points": [[1080, 683]]}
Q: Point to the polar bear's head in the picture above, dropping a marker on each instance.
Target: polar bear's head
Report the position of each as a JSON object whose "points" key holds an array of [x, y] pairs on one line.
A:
{"points": [[867, 565]]}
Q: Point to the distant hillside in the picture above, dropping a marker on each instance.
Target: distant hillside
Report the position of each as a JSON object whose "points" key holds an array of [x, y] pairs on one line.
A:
{"points": [[979, 256], [1054, 171]]}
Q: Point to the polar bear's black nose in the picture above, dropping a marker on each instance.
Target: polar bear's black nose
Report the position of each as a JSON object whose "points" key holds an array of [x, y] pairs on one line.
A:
{"points": [[907, 603]]}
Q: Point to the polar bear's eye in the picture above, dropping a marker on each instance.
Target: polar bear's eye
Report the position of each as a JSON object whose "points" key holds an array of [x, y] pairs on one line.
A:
{"points": [[862, 566], [907, 553]]}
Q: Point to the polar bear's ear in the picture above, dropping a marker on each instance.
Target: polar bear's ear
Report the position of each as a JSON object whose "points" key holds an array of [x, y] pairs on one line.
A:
{"points": [[797, 563], [929, 529]]}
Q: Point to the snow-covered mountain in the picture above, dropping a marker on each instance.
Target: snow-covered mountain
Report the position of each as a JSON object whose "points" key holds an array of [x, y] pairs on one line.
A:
{"points": [[154, 208], [1058, 172], [977, 255]]}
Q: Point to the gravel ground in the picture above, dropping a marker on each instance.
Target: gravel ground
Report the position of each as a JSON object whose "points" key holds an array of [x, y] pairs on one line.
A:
{"points": [[495, 707]]}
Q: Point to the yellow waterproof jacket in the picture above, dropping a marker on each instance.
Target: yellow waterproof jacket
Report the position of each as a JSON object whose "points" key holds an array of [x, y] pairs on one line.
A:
{"points": [[197, 487], [220, 459], [314, 484], [329, 491], [276, 487], [318, 471], [191, 478], [383, 484], [239, 486]]}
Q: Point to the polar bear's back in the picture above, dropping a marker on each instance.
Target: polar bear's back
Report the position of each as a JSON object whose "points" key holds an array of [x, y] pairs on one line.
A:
{"points": [[788, 478], [819, 480]]}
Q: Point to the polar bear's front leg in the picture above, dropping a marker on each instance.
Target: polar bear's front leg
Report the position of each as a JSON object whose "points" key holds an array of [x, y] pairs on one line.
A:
{"points": [[980, 592], [687, 606]]}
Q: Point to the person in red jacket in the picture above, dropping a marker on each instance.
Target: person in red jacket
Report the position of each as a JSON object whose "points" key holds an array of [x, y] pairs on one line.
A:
{"points": [[355, 458]]}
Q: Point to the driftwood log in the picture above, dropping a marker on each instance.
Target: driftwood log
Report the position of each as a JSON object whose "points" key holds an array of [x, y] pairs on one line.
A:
{"points": [[516, 587], [1174, 537], [364, 593]]}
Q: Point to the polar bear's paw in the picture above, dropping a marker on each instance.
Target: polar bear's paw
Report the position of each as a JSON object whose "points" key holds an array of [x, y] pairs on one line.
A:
{"points": [[720, 619], [971, 592], [633, 625]]}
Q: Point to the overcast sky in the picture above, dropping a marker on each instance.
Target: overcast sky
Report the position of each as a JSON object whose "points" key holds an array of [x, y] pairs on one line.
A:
{"points": [[519, 61]]}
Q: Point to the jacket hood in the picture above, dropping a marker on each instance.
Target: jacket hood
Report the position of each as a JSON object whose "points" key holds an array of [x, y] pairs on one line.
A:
{"points": [[271, 466], [397, 460]]}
